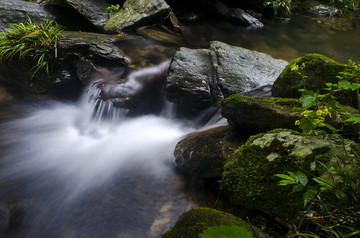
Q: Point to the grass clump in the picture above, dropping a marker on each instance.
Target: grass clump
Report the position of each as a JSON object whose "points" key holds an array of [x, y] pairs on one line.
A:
{"points": [[32, 42]]}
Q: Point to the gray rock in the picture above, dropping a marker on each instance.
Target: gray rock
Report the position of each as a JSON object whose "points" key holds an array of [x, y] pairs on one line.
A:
{"points": [[240, 70], [321, 10], [15, 11], [135, 13], [92, 10], [204, 154], [190, 78], [199, 78]]}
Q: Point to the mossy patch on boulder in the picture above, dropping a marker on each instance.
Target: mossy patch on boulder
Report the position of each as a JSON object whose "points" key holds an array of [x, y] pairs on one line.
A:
{"points": [[260, 114], [319, 70], [249, 179], [194, 222]]}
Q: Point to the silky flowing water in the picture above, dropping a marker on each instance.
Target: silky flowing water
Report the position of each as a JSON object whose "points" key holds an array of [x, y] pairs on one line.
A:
{"points": [[86, 169]]}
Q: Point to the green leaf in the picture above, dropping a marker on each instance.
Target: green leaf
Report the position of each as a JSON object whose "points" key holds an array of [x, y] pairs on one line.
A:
{"points": [[302, 178], [308, 99], [297, 188], [308, 196], [307, 124], [226, 232]]}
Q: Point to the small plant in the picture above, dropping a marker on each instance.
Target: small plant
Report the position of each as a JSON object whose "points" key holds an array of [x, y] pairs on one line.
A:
{"points": [[29, 41], [279, 7], [112, 10], [349, 4]]}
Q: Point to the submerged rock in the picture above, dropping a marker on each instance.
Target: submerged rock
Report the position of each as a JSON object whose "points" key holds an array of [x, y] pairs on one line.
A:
{"points": [[204, 154], [16, 11], [321, 9], [135, 13], [260, 114], [249, 180], [193, 222]]}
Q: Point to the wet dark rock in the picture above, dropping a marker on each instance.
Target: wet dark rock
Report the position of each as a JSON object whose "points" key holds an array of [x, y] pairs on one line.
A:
{"points": [[93, 11], [15, 11], [135, 13], [139, 89], [237, 15], [321, 9], [204, 154], [259, 114]]}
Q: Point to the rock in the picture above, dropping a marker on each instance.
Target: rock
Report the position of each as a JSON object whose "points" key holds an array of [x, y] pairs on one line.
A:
{"points": [[204, 154], [160, 36], [193, 222], [91, 10], [141, 88], [199, 78], [249, 181], [260, 114], [239, 70], [237, 15], [99, 48], [321, 10], [189, 79], [16, 11], [318, 70], [135, 13]]}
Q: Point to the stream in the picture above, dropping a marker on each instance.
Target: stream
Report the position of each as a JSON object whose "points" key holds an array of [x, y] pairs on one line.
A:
{"points": [[85, 169]]}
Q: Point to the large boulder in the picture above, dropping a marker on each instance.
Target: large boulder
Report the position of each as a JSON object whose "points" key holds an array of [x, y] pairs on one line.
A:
{"points": [[135, 13], [260, 114], [193, 222], [201, 77], [93, 11], [15, 11], [249, 179], [204, 154]]}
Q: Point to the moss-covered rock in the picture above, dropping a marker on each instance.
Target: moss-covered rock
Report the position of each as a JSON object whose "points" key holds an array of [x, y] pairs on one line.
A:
{"points": [[260, 114], [318, 69], [312, 72], [194, 222], [249, 179], [135, 13]]}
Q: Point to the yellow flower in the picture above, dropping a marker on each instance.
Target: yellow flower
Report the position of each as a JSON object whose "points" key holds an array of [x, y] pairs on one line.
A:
{"points": [[297, 122], [294, 67], [306, 113], [303, 65]]}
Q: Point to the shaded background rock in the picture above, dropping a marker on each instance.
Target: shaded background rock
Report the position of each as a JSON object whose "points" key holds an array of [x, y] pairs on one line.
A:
{"points": [[135, 13], [16, 11]]}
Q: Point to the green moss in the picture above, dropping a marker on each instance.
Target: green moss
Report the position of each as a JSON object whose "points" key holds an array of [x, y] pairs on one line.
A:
{"points": [[194, 222], [318, 68], [249, 179]]}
